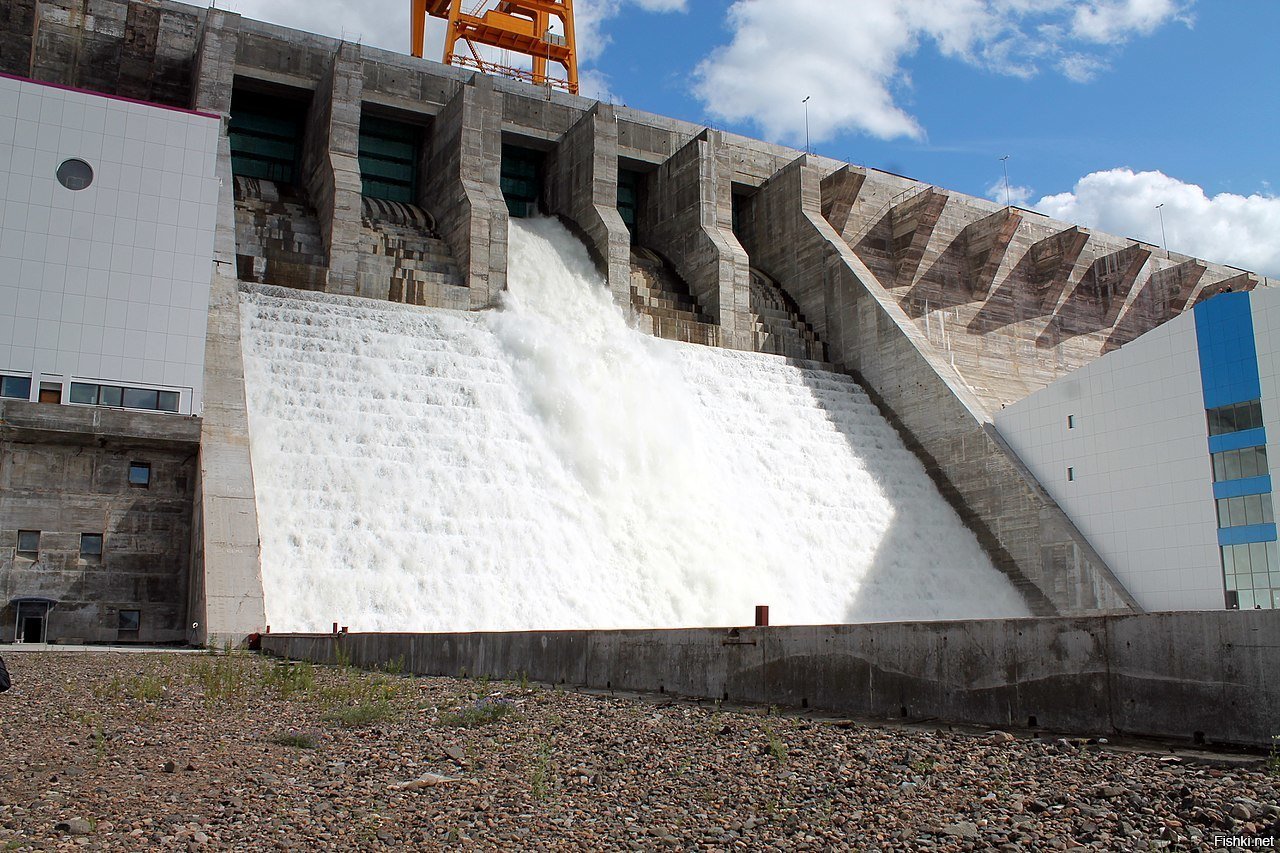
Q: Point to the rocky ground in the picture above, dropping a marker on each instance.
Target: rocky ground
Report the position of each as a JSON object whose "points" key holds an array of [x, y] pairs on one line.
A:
{"points": [[198, 751]]}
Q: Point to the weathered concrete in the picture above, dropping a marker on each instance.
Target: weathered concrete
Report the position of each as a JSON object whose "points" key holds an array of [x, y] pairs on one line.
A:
{"points": [[461, 187], [1025, 532], [64, 472], [1174, 675], [331, 165], [687, 215], [582, 185]]}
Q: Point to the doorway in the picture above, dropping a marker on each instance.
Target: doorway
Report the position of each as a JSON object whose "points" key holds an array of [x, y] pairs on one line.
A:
{"points": [[31, 630], [31, 619]]}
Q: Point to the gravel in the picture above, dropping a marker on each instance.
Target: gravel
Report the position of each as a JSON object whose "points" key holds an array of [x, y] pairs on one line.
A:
{"points": [[201, 752]]}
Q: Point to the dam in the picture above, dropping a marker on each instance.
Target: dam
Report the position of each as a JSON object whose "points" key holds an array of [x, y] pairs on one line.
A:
{"points": [[297, 332], [544, 465]]}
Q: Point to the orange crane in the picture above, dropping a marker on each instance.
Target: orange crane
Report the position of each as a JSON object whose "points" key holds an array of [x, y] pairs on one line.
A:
{"points": [[519, 26]]}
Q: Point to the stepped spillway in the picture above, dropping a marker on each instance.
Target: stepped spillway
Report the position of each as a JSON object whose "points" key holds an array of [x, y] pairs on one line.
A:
{"points": [[545, 466]]}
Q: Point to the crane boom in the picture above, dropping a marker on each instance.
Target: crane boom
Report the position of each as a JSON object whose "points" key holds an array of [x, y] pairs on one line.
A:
{"points": [[519, 26]]}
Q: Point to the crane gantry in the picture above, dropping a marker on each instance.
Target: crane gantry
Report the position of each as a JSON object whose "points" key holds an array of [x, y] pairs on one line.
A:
{"points": [[519, 26]]}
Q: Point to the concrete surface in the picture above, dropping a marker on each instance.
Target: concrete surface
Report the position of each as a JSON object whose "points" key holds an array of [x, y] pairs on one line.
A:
{"points": [[1183, 676]]}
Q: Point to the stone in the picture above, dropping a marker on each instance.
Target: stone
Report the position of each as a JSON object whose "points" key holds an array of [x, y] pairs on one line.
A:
{"points": [[75, 826], [963, 829]]}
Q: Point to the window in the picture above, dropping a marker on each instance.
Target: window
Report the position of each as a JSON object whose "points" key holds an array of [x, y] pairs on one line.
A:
{"points": [[1071, 475], [130, 620], [1071, 421], [1249, 509], [50, 392], [140, 474], [84, 394], [114, 396], [29, 544], [1252, 574], [90, 546], [16, 387], [1239, 464], [1235, 417], [75, 174]]}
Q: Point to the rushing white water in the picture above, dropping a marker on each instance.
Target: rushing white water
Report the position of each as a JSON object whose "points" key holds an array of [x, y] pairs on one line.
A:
{"points": [[546, 466]]}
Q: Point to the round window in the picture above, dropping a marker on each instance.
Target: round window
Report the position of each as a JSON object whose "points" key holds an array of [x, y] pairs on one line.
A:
{"points": [[75, 174]]}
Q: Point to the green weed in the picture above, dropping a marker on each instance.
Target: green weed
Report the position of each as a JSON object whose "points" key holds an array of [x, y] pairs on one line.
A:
{"points": [[480, 713], [298, 740], [355, 716]]}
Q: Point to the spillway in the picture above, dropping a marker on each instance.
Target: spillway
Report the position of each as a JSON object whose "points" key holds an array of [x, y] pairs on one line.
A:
{"points": [[546, 466]]}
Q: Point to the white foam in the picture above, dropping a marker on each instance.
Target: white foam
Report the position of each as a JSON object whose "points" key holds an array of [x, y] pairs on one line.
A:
{"points": [[546, 466]]}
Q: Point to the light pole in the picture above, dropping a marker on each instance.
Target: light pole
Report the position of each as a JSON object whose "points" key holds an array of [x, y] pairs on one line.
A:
{"points": [[807, 148], [1005, 161], [1164, 240]]}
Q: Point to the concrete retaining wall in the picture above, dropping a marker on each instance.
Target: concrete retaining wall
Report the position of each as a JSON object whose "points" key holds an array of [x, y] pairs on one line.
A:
{"points": [[1175, 675]]}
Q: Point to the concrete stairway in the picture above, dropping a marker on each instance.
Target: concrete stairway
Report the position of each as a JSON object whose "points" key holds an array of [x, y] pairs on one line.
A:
{"points": [[402, 257], [658, 293], [777, 326], [277, 236]]}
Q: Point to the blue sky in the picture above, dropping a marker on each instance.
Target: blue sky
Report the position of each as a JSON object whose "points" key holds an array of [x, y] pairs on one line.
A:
{"points": [[1106, 108]]}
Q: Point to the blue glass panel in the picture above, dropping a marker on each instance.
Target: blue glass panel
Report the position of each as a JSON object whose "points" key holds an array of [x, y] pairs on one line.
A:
{"points": [[1236, 488], [1236, 440], [1247, 533], [1228, 357]]}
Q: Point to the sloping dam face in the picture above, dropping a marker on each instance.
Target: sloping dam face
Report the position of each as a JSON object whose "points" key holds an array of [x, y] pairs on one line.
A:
{"points": [[545, 466]]}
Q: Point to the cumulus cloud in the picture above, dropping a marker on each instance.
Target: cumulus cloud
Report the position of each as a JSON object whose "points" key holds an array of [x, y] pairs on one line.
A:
{"points": [[850, 55], [1017, 195], [1227, 228]]}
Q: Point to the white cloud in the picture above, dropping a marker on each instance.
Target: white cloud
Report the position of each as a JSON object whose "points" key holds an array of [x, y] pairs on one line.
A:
{"points": [[850, 55], [1226, 228], [1111, 21], [1016, 195]]}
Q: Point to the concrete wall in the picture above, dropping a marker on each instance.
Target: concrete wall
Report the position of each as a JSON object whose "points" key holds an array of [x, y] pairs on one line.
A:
{"points": [[64, 471], [331, 165], [225, 599], [462, 187], [582, 185], [1097, 675], [687, 215], [1024, 531]]}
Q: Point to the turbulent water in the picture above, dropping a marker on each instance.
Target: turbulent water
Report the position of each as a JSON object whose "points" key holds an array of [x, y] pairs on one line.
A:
{"points": [[546, 466]]}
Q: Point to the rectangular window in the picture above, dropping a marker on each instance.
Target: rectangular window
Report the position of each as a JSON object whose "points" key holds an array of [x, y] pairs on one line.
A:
{"points": [[1249, 509], [130, 620], [15, 387], [1235, 417], [113, 396], [139, 398], [1071, 474], [1238, 464], [84, 394], [29, 544], [50, 392], [140, 474], [90, 545], [1071, 421]]}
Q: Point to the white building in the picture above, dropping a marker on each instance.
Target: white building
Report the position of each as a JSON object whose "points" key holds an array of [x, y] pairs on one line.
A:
{"points": [[107, 215], [1163, 454]]}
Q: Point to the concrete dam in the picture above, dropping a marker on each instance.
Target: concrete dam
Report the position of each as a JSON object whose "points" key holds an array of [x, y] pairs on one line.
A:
{"points": [[297, 331], [544, 465]]}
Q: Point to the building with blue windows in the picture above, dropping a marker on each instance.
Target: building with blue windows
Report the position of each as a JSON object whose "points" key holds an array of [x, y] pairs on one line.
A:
{"points": [[1162, 453]]}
